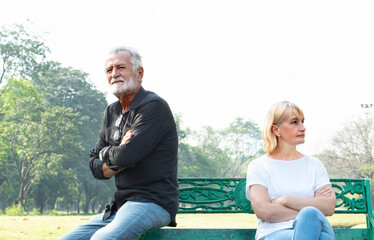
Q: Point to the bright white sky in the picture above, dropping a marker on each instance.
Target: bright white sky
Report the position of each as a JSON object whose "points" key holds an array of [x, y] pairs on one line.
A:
{"points": [[217, 60]]}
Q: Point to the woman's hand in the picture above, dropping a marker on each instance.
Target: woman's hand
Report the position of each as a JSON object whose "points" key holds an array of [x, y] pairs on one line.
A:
{"points": [[325, 191], [324, 200], [281, 200]]}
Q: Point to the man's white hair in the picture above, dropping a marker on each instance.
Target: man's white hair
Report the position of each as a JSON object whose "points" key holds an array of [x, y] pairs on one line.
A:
{"points": [[136, 59]]}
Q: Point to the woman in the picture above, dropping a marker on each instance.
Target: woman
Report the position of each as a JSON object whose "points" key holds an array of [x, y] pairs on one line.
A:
{"points": [[290, 192]]}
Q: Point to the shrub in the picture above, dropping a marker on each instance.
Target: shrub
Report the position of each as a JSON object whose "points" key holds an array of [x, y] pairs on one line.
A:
{"points": [[14, 210], [52, 213], [35, 212]]}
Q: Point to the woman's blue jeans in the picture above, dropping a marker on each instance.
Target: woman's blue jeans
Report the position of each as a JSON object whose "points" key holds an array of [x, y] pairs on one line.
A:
{"points": [[129, 222], [310, 224]]}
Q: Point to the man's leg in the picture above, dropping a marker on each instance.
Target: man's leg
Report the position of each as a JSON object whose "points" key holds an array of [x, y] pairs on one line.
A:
{"points": [[86, 230], [132, 220], [310, 223]]}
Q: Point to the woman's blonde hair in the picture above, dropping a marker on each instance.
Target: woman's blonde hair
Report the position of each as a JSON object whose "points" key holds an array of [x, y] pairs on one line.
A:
{"points": [[275, 116]]}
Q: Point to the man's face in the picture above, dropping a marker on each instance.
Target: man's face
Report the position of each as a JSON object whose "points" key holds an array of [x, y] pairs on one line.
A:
{"points": [[120, 75]]}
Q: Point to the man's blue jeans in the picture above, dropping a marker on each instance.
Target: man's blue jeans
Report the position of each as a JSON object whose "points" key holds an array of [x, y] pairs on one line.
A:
{"points": [[310, 224], [129, 222]]}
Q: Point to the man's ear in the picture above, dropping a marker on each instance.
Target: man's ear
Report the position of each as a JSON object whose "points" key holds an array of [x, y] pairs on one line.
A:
{"points": [[140, 72], [275, 130]]}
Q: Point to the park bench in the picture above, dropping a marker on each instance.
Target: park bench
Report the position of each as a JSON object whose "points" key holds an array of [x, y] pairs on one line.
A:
{"points": [[227, 195]]}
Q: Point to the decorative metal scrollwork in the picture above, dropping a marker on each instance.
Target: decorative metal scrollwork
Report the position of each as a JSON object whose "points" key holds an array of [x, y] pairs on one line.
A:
{"points": [[350, 195], [213, 195], [241, 198], [228, 195]]}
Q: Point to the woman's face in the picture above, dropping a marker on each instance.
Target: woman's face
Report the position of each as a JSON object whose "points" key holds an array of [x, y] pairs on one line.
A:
{"points": [[291, 130]]}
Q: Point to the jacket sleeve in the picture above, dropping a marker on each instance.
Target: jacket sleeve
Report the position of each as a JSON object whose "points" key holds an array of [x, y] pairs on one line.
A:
{"points": [[151, 122], [95, 163]]}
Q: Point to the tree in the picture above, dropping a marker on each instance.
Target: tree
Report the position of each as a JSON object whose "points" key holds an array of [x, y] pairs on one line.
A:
{"points": [[210, 141], [63, 90], [37, 134], [191, 160], [219, 153], [68, 87], [193, 163], [242, 143], [20, 51], [53, 185], [352, 151]]}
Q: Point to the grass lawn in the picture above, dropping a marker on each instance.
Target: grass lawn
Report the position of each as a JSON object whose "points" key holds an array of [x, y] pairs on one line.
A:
{"points": [[38, 227], [52, 227]]}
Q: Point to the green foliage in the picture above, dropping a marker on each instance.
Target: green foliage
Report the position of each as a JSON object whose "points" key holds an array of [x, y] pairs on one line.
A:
{"points": [[218, 153], [47, 126], [352, 151], [193, 162], [52, 213], [38, 133], [68, 87], [14, 210], [181, 132], [35, 212], [20, 52]]}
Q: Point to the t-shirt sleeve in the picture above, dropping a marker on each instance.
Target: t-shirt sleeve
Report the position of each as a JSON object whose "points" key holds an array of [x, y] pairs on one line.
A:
{"points": [[255, 175], [322, 177]]}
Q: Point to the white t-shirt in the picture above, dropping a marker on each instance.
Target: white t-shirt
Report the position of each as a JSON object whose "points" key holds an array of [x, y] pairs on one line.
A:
{"points": [[297, 178]]}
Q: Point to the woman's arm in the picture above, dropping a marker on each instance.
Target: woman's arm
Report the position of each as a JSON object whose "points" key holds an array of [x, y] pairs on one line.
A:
{"points": [[265, 209], [324, 199]]}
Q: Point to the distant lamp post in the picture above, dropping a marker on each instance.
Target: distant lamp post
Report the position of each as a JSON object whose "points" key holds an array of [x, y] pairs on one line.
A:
{"points": [[367, 107]]}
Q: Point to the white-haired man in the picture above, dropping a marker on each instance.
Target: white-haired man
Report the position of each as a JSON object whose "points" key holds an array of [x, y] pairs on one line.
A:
{"points": [[138, 145]]}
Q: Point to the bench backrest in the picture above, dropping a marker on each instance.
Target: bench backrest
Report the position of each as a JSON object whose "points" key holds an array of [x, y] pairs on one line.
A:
{"points": [[227, 195]]}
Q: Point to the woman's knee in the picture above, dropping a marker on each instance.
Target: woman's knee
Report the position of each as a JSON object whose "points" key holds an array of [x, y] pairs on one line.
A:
{"points": [[310, 212], [312, 217]]}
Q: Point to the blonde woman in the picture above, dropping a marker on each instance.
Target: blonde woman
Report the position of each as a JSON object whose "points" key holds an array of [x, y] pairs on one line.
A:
{"points": [[290, 192]]}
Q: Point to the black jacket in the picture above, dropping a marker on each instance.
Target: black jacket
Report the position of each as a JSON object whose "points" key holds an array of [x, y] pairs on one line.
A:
{"points": [[149, 157]]}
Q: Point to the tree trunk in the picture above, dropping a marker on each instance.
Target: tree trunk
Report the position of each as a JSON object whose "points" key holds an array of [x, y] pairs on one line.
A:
{"points": [[40, 199], [78, 202], [21, 195]]}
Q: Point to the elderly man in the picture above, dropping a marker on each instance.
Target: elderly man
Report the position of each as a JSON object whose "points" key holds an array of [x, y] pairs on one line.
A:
{"points": [[138, 145]]}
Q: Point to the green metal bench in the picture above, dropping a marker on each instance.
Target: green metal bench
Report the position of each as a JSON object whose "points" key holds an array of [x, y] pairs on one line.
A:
{"points": [[227, 195]]}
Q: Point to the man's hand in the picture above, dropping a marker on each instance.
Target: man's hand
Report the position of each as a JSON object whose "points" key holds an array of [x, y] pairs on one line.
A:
{"points": [[107, 172], [126, 138]]}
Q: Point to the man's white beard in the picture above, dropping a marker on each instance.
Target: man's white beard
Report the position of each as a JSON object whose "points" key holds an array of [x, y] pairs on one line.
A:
{"points": [[123, 87]]}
